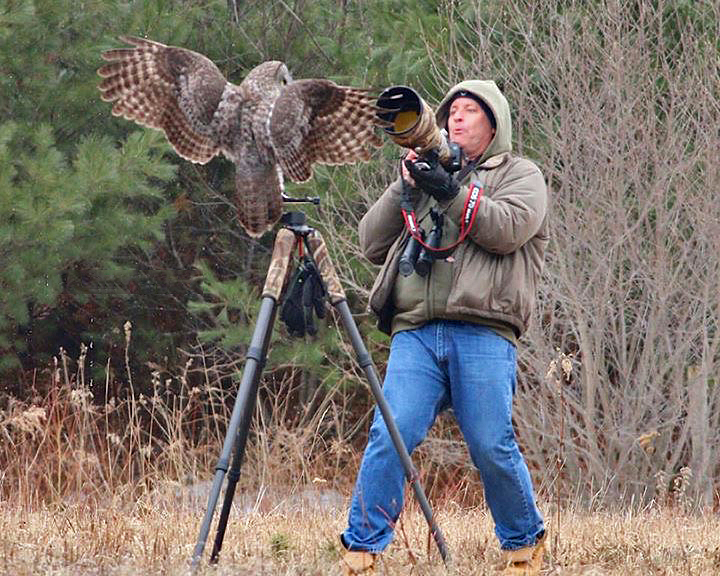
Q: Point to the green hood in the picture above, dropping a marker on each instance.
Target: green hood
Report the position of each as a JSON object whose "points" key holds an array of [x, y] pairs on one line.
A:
{"points": [[487, 91]]}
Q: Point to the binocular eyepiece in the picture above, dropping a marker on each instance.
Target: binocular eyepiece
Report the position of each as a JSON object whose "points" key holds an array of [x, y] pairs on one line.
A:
{"points": [[415, 256], [410, 254]]}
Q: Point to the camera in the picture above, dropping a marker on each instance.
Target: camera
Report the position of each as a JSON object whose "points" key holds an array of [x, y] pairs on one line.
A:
{"points": [[410, 123]]}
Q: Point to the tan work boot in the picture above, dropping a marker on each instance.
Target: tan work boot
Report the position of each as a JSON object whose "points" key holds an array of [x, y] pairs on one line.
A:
{"points": [[358, 563], [525, 561]]}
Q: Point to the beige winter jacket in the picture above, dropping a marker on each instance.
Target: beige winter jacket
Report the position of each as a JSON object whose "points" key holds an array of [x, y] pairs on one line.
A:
{"points": [[492, 276]]}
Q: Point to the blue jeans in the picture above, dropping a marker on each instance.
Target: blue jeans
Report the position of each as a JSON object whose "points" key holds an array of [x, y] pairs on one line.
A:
{"points": [[446, 364]]}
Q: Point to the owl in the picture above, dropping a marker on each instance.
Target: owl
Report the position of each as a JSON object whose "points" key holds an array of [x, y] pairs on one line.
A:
{"points": [[270, 126]]}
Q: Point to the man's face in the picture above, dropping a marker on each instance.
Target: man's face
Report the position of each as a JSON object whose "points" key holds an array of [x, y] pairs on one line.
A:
{"points": [[469, 126]]}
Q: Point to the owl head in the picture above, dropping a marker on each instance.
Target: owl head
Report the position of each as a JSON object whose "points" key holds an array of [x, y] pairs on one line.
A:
{"points": [[267, 78]]}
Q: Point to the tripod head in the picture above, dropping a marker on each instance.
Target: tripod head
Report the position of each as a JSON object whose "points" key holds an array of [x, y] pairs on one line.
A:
{"points": [[306, 200], [295, 221]]}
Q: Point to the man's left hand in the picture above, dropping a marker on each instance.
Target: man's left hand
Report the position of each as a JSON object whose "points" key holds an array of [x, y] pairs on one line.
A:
{"points": [[433, 180]]}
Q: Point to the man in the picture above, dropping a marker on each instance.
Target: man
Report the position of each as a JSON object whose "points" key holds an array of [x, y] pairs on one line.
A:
{"points": [[455, 329]]}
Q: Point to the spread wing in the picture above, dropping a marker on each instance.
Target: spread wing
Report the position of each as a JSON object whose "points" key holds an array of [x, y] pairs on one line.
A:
{"points": [[168, 88], [318, 121]]}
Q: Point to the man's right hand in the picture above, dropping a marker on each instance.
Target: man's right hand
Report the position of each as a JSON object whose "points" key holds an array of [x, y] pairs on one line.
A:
{"points": [[433, 179], [412, 156]]}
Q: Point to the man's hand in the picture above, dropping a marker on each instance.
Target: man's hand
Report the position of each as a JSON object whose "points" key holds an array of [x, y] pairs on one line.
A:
{"points": [[433, 180], [410, 156]]}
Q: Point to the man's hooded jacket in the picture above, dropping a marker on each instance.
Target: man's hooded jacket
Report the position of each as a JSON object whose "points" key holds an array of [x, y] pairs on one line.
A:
{"points": [[491, 277]]}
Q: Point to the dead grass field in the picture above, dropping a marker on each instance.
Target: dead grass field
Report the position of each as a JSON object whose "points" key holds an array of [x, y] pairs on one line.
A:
{"points": [[121, 489], [157, 536]]}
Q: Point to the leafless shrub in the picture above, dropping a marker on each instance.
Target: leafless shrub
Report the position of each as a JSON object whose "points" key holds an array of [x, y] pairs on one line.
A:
{"points": [[618, 103]]}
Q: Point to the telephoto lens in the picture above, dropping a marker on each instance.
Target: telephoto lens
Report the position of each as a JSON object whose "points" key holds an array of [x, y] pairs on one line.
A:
{"points": [[410, 255]]}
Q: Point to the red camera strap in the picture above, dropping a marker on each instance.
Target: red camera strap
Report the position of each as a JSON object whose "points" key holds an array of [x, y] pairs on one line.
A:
{"points": [[472, 202]]}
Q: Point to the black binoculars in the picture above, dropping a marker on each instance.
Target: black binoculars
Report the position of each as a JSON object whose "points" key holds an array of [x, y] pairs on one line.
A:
{"points": [[419, 258]]}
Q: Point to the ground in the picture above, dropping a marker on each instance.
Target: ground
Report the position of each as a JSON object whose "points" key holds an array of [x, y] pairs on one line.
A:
{"points": [[297, 534]]}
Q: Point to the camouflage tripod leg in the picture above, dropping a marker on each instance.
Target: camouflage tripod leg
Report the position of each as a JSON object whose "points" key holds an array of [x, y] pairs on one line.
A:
{"points": [[244, 407], [336, 295]]}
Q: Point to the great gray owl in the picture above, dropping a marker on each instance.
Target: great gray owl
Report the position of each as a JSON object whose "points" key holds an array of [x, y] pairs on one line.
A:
{"points": [[269, 125]]}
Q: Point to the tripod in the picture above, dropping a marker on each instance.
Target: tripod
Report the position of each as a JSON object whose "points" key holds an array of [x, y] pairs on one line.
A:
{"points": [[309, 243]]}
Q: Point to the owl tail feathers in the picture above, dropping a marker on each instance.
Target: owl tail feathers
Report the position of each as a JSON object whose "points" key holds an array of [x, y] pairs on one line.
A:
{"points": [[259, 202]]}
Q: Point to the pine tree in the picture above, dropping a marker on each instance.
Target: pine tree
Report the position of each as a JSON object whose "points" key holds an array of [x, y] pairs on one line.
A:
{"points": [[67, 226]]}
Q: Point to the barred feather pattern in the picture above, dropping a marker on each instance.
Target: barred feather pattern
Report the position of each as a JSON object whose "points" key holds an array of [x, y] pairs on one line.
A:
{"points": [[268, 125], [166, 88], [317, 121]]}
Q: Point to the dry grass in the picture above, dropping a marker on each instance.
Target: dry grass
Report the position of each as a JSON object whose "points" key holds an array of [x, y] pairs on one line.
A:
{"points": [[120, 487], [149, 537]]}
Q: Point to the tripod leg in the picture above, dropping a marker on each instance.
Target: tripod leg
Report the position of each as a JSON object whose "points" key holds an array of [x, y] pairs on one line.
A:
{"points": [[337, 297], [245, 401], [240, 442], [233, 477], [241, 414], [410, 472]]}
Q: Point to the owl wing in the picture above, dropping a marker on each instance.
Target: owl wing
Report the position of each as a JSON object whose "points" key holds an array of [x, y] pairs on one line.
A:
{"points": [[168, 88], [318, 121]]}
